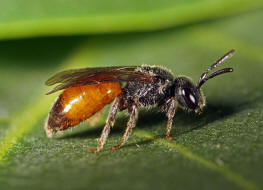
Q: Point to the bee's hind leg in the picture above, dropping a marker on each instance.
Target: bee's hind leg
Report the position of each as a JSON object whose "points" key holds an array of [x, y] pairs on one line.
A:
{"points": [[109, 123], [133, 111], [170, 114]]}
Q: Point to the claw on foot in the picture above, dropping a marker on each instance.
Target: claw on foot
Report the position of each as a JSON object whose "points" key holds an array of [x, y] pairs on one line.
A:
{"points": [[94, 150], [116, 147]]}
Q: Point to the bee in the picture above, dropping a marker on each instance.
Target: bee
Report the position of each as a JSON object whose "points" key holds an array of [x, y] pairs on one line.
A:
{"points": [[88, 90]]}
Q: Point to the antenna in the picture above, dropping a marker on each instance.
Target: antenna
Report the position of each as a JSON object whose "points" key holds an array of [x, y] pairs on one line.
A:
{"points": [[204, 77]]}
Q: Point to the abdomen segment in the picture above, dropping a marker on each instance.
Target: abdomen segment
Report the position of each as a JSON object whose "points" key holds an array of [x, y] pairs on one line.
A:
{"points": [[77, 104]]}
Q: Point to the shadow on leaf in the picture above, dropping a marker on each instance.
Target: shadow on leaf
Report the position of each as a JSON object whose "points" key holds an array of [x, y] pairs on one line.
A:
{"points": [[150, 119]]}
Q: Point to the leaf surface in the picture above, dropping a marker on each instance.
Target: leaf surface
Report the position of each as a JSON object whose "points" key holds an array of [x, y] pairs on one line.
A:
{"points": [[221, 149]]}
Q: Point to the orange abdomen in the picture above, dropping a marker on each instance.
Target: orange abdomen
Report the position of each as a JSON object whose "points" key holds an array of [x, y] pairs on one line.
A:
{"points": [[77, 104]]}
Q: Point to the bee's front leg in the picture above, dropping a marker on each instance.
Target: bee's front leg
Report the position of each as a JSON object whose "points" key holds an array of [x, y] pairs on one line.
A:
{"points": [[173, 105]]}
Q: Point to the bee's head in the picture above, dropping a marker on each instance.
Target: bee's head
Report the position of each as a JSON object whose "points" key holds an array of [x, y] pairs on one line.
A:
{"points": [[189, 95]]}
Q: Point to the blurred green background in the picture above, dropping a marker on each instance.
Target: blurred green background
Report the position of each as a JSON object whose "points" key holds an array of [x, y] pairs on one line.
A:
{"points": [[221, 149]]}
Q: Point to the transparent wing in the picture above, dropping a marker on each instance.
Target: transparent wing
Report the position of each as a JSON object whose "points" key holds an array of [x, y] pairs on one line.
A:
{"points": [[95, 75]]}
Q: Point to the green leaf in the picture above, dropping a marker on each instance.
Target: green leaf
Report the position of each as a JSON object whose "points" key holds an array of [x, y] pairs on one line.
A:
{"points": [[221, 149], [19, 19]]}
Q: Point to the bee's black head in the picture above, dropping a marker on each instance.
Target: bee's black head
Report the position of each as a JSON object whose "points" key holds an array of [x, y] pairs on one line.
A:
{"points": [[188, 95]]}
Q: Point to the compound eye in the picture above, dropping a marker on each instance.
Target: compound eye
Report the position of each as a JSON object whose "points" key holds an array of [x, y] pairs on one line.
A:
{"points": [[189, 98]]}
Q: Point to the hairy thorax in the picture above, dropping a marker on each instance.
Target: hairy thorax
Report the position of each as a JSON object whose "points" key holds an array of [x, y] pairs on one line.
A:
{"points": [[149, 94]]}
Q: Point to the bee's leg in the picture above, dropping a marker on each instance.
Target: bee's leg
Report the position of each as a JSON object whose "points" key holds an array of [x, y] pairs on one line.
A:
{"points": [[170, 114], [133, 111], [109, 123]]}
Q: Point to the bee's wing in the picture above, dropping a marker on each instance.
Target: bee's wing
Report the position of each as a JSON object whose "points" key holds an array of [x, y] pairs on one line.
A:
{"points": [[95, 75]]}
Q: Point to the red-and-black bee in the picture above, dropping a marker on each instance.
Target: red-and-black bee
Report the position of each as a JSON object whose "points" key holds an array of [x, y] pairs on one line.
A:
{"points": [[88, 90]]}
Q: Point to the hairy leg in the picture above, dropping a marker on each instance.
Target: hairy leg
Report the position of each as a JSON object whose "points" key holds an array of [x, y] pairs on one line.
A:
{"points": [[170, 114], [131, 124], [109, 123]]}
